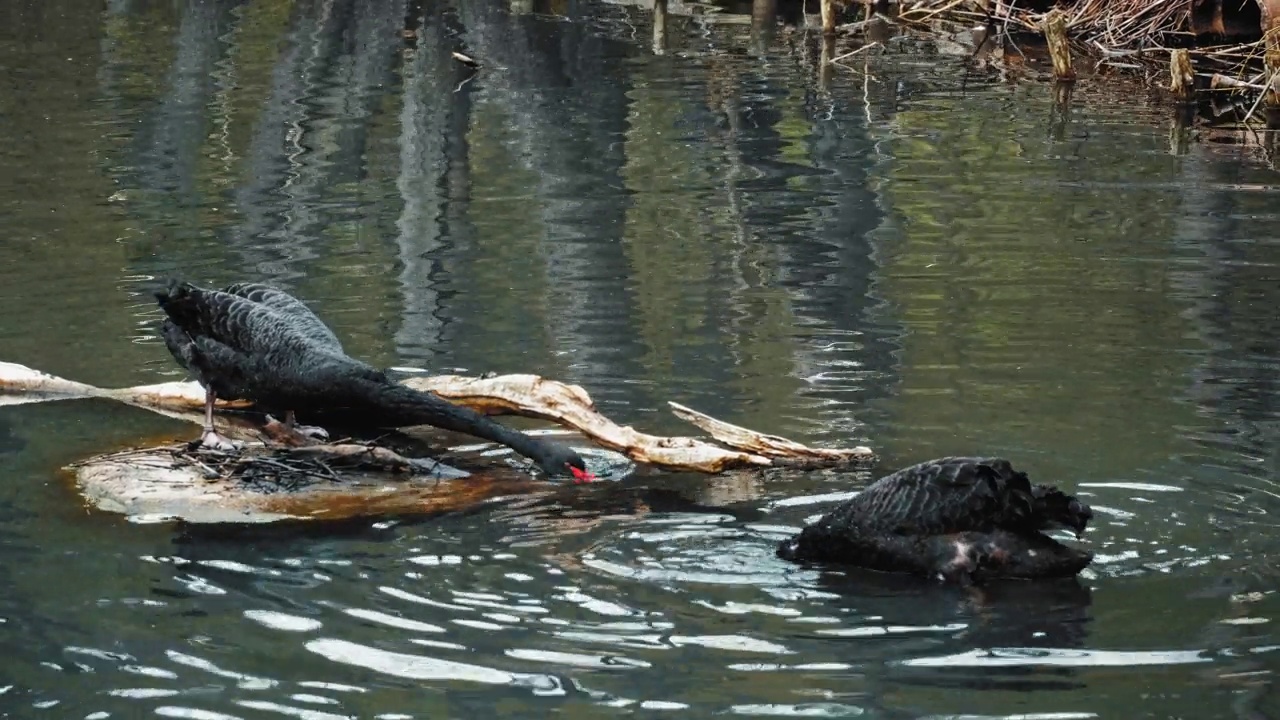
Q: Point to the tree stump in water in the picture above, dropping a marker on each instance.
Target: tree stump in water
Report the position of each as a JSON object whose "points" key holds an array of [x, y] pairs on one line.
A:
{"points": [[1055, 31], [1182, 79]]}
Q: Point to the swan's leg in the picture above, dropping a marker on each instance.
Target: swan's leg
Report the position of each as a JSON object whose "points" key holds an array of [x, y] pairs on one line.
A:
{"points": [[311, 431], [210, 437], [290, 432]]}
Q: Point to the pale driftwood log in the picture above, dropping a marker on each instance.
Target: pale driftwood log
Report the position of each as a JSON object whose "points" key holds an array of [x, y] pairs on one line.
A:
{"points": [[524, 395], [158, 483]]}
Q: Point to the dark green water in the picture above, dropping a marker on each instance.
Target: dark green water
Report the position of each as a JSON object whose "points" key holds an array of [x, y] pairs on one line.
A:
{"points": [[931, 262]]}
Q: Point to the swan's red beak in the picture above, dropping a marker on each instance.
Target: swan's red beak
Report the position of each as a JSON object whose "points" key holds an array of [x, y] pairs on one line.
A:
{"points": [[580, 476]]}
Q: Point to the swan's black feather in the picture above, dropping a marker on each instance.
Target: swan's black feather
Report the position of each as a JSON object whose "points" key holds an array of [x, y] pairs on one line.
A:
{"points": [[255, 342], [955, 517]]}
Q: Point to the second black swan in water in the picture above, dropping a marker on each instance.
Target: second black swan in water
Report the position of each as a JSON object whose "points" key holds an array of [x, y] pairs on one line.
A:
{"points": [[255, 342], [957, 519]]}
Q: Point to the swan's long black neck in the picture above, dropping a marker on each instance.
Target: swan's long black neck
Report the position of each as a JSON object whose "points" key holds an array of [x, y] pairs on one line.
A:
{"points": [[397, 405]]}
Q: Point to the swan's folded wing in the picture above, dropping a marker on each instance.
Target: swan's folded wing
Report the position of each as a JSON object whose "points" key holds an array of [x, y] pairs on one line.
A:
{"points": [[305, 322], [947, 495]]}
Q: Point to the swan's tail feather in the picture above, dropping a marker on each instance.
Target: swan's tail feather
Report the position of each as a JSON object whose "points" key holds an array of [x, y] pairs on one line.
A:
{"points": [[175, 290]]}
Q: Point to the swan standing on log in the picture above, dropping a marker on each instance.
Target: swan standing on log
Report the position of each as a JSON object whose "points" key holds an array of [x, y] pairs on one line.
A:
{"points": [[956, 519], [255, 342]]}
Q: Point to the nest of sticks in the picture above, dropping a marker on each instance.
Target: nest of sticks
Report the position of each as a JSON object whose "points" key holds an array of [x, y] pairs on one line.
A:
{"points": [[1140, 35], [275, 469]]}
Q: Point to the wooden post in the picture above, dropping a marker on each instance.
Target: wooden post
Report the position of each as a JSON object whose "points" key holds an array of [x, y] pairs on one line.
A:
{"points": [[1055, 31], [659, 27], [1182, 80], [828, 17]]}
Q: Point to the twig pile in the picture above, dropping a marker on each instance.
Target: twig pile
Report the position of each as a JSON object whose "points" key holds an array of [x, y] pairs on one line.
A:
{"points": [[1138, 32], [1130, 24], [271, 470]]}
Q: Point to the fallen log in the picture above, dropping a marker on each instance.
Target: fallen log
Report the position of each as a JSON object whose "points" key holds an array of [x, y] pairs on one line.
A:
{"points": [[267, 482], [523, 395]]}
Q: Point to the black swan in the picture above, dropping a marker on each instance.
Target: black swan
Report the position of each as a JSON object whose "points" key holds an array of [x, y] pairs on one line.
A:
{"points": [[956, 519], [256, 342]]}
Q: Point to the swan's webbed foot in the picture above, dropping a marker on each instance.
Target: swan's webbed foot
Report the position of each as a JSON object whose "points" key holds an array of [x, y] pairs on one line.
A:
{"points": [[291, 433], [211, 440], [315, 432]]}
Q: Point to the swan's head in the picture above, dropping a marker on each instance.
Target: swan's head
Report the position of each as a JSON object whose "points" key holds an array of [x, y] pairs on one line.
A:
{"points": [[580, 475], [1078, 516], [562, 461]]}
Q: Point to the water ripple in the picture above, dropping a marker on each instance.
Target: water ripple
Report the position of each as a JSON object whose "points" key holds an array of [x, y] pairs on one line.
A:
{"points": [[422, 667]]}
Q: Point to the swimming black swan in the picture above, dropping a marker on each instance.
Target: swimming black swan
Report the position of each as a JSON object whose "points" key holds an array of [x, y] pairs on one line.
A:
{"points": [[957, 518], [255, 342]]}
